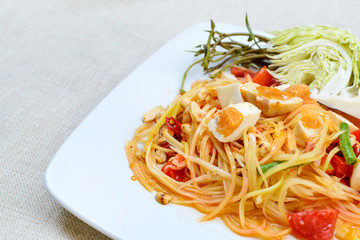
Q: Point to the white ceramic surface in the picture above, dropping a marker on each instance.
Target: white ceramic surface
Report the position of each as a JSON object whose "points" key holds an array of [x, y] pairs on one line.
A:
{"points": [[90, 176]]}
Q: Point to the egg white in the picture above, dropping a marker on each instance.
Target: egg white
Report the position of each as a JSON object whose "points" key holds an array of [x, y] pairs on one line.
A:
{"points": [[303, 134], [229, 94]]}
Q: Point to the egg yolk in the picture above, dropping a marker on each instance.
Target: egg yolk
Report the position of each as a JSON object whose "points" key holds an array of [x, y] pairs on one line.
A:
{"points": [[299, 90], [228, 120], [302, 91], [273, 93], [310, 121]]}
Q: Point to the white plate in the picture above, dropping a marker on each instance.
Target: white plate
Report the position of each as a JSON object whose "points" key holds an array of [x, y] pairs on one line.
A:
{"points": [[90, 176]]}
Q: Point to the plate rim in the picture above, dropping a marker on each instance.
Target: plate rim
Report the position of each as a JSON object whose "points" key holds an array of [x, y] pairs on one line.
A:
{"points": [[47, 175]]}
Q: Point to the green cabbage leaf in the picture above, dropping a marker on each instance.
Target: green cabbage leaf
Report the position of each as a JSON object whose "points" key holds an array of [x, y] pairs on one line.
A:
{"points": [[325, 58]]}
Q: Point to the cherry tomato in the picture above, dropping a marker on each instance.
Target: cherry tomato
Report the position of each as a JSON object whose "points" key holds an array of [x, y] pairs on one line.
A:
{"points": [[341, 168], [356, 133], [314, 225], [175, 168], [263, 77], [241, 71]]}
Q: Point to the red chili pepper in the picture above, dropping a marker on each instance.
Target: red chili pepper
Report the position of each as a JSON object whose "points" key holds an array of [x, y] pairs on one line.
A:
{"points": [[356, 149], [173, 125], [165, 145], [333, 145], [177, 137], [175, 168]]}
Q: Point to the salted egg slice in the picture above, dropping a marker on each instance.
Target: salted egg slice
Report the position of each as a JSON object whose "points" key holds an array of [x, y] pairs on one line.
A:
{"points": [[272, 101], [230, 123], [308, 127]]}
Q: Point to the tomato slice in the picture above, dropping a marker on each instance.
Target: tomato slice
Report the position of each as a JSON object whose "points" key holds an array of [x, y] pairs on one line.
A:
{"points": [[175, 168], [241, 71], [341, 168], [356, 133], [314, 225], [263, 77]]}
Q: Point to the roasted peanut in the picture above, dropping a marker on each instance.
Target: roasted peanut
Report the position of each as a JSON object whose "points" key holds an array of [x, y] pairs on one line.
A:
{"points": [[186, 128], [153, 114], [163, 198], [202, 95], [160, 156], [185, 102], [196, 112], [264, 148]]}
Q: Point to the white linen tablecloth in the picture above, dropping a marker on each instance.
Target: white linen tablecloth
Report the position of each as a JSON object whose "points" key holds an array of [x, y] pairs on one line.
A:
{"points": [[58, 60]]}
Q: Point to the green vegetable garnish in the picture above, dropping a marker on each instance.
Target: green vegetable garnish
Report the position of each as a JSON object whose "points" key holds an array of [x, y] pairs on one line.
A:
{"points": [[251, 34], [221, 52], [207, 47], [267, 166], [345, 144]]}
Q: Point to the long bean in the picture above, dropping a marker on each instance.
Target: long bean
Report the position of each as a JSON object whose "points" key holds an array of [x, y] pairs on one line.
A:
{"points": [[267, 166], [345, 144]]}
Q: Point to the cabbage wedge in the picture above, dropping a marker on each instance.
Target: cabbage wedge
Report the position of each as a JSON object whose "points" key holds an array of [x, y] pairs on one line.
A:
{"points": [[325, 58]]}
